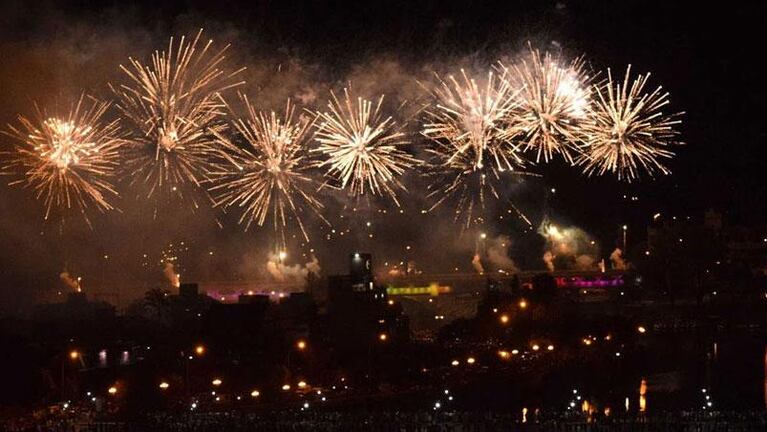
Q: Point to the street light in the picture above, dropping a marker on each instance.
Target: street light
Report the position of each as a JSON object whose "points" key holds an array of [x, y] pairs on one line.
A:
{"points": [[164, 385], [216, 382], [382, 337], [74, 355], [255, 393], [625, 228], [301, 345], [523, 304], [504, 319], [112, 390], [199, 350]]}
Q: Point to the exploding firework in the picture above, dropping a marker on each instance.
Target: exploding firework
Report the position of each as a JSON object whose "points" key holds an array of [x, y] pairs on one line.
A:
{"points": [[270, 178], [471, 136], [175, 109], [68, 160], [629, 131], [553, 104], [362, 148]]}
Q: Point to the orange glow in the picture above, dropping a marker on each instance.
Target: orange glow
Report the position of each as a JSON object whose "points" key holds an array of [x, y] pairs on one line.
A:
{"points": [[301, 345], [522, 304], [504, 319], [503, 354], [470, 360], [74, 355], [383, 337], [642, 395], [216, 382], [301, 384], [112, 390], [199, 350]]}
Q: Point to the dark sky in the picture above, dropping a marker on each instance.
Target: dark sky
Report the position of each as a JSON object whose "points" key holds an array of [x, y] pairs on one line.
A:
{"points": [[706, 56]]}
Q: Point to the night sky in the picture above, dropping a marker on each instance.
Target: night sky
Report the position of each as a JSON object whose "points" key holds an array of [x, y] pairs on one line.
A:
{"points": [[706, 56]]}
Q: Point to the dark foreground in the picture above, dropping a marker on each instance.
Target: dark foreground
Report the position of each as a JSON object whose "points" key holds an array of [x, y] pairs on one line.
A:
{"points": [[407, 421]]}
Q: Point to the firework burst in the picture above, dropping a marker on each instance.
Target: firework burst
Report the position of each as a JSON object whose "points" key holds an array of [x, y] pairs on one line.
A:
{"points": [[362, 148], [553, 105], [270, 178], [68, 160], [175, 110], [469, 127], [629, 131]]}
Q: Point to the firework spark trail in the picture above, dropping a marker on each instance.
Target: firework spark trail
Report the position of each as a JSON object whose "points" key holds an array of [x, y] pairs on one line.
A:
{"points": [[68, 160], [174, 107], [271, 177], [629, 131], [362, 147], [471, 134], [553, 104]]}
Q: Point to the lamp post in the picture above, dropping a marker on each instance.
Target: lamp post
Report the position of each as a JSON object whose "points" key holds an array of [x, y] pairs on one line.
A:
{"points": [[625, 230]]}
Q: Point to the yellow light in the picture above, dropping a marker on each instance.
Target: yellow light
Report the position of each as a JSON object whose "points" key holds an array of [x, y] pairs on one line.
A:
{"points": [[586, 341], [455, 363], [382, 337], [301, 384], [470, 360], [504, 319], [301, 345], [550, 347], [503, 354], [286, 387], [522, 304], [74, 355], [641, 329], [112, 390], [164, 385], [515, 351], [216, 382], [283, 255], [391, 302], [199, 350], [536, 347], [255, 393]]}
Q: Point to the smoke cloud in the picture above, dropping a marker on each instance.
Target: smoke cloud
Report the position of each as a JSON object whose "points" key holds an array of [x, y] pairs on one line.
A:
{"points": [[476, 262], [498, 254], [569, 248], [296, 273], [71, 282], [170, 273], [617, 260]]}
